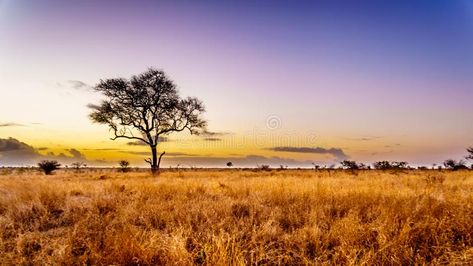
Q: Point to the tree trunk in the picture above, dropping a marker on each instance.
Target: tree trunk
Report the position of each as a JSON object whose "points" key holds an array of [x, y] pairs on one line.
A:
{"points": [[155, 162]]}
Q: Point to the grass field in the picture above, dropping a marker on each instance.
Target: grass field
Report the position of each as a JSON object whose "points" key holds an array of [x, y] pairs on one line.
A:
{"points": [[236, 217]]}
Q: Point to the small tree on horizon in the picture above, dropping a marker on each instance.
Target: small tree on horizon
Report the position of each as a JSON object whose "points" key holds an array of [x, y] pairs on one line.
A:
{"points": [[124, 165], [454, 165], [385, 165], [78, 165], [48, 166], [146, 108], [351, 165], [316, 166]]}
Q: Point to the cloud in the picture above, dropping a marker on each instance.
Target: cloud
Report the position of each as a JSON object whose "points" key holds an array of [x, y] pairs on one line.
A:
{"points": [[336, 152], [212, 139], [16, 153], [76, 154], [14, 145], [79, 85], [366, 138], [209, 134], [141, 143], [11, 125]]}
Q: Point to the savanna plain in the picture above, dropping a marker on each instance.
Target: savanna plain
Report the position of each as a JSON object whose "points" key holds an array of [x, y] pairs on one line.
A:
{"points": [[236, 217]]}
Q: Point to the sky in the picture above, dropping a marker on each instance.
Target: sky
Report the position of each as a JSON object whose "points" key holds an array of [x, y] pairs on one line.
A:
{"points": [[284, 82]]}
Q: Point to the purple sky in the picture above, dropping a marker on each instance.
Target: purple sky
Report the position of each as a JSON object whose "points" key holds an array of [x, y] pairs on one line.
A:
{"points": [[376, 79]]}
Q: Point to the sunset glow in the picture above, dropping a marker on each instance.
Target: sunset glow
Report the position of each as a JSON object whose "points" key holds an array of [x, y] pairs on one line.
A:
{"points": [[317, 81]]}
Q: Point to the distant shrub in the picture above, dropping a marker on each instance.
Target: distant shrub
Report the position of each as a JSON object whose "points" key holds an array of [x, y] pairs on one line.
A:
{"points": [[124, 166], [48, 166], [264, 167], [78, 165], [282, 167], [385, 165], [455, 165], [350, 165], [229, 164]]}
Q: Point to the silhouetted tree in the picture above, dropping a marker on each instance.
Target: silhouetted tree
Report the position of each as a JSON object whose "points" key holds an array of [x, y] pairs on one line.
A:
{"points": [[145, 108], [124, 165], [264, 167], [48, 166], [351, 165], [363, 166], [454, 165], [78, 165], [229, 164], [385, 165], [470, 153]]}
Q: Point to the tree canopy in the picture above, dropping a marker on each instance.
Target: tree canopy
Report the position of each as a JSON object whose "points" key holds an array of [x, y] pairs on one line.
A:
{"points": [[146, 107]]}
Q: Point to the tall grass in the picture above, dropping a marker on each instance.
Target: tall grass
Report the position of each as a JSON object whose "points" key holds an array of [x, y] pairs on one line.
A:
{"points": [[237, 217]]}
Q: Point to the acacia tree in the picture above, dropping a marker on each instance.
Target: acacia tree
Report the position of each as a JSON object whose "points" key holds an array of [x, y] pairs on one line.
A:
{"points": [[146, 107]]}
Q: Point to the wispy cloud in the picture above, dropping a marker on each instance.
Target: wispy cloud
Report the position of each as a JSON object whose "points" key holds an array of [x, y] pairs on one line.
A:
{"points": [[15, 153], [141, 143], [365, 138], [210, 134], [79, 85], [336, 152], [10, 124], [212, 139]]}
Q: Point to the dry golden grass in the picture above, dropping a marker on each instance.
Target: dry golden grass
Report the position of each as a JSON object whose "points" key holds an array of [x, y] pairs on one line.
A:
{"points": [[236, 217]]}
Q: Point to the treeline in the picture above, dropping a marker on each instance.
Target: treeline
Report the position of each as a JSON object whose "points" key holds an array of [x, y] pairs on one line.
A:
{"points": [[386, 165], [449, 164]]}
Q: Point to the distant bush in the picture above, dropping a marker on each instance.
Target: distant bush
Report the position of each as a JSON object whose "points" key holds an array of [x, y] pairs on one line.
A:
{"points": [[48, 166], [350, 165], [78, 165], [264, 167], [124, 166], [455, 165], [229, 164], [385, 165]]}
